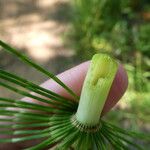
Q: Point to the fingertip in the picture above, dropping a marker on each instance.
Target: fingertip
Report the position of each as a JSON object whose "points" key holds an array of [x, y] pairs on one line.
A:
{"points": [[117, 90]]}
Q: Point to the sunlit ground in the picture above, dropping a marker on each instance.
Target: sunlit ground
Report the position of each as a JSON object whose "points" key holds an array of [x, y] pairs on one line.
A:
{"points": [[35, 27]]}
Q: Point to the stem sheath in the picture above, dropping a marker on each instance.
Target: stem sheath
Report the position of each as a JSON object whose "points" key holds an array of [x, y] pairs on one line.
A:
{"points": [[95, 89]]}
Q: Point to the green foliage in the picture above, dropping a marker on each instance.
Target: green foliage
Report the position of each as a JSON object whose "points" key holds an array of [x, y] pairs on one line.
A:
{"points": [[92, 24], [144, 39], [60, 124], [105, 25]]}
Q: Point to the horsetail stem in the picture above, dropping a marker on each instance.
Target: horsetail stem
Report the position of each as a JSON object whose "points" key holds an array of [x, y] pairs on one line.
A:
{"points": [[95, 89]]}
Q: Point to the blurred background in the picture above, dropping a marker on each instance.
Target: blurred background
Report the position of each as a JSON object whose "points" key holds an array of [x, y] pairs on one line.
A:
{"points": [[59, 34]]}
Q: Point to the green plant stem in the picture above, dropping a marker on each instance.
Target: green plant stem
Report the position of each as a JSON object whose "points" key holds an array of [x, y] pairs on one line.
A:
{"points": [[31, 85], [39, 68], [95, 89]]}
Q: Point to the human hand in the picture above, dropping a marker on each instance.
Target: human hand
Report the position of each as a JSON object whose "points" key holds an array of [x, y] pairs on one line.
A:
{"points": [[74, 78]]}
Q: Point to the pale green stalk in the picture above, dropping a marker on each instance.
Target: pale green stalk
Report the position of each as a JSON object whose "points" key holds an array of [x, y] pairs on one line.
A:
{"points": [[96, 88]]}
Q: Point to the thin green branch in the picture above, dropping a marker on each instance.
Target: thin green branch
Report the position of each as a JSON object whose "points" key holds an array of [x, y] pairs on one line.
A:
{"points": [[26, 138], [59, 135], [129, 133], [21, 118], [35, 88], [103, 141], [124, 139], [110, 140], [23, 104], [116, 142], [99, 141], [39, 68], [51, 140], [123, 135], [35, 91], [25, 132], [69, 140], [24, 114], [24, 93], [23, 125]]}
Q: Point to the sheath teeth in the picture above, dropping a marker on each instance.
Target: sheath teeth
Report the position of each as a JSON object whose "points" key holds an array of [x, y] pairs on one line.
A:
{"points": [[85, 128]]}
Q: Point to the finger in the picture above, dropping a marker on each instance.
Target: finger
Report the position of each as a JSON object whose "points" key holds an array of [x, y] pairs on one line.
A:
{"points": [[117, 89], [74, 79]]}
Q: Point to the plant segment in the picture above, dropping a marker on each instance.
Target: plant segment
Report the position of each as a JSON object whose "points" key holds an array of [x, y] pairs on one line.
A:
{"points": [[95, 89], [62, 122]]}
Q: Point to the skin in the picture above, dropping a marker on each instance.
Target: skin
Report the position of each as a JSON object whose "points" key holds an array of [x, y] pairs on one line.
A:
{"points": [[74, 79]]}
